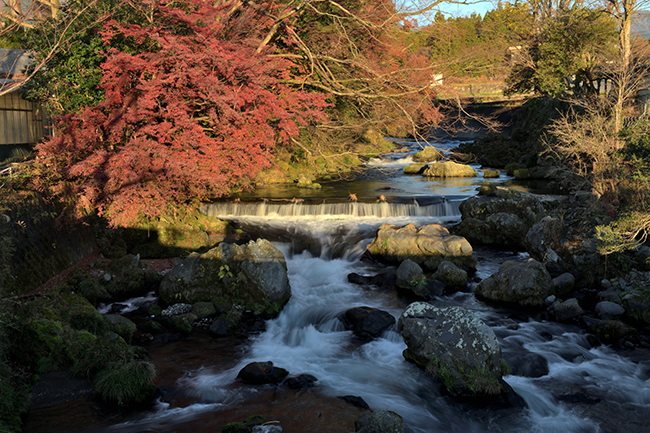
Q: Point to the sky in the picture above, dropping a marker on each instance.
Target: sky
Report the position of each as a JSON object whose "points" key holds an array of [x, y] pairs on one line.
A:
{"points": [[464, 10]]}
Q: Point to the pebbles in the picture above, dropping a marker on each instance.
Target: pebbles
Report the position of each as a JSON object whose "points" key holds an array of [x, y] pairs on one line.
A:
{"points": [[176, 309]]}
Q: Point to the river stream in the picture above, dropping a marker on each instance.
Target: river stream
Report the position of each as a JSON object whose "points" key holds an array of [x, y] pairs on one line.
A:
{"points": [[323, 237]]}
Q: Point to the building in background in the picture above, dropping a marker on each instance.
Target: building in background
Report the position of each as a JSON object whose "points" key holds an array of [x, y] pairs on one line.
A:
{"points": [[22, 123]]}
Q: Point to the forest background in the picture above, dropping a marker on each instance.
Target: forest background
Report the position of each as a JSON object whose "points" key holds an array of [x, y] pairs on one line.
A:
{"points": [[158, 105]]}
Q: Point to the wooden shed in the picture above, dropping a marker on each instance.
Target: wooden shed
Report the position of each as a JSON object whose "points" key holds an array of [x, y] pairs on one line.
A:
{"points": [[21, 122]]}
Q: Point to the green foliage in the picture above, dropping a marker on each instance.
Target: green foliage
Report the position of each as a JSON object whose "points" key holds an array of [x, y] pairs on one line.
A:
{"points": [[126, 383], [14, 397], [473, 46], [630, 195], [73, 74], [566, 56]]}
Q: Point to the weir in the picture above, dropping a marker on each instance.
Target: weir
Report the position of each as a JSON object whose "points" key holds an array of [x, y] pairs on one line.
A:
{"points": [[296, 209]]}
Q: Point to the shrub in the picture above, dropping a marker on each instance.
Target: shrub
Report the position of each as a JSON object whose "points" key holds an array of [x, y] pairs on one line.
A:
{"points": [[126, 383]]}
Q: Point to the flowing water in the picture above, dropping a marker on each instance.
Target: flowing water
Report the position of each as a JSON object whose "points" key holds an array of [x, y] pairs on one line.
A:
{"points": [[586, 389]]}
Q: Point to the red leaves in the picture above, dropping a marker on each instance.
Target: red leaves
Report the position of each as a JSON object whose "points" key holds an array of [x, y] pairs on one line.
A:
{"points": [[193, 114]]}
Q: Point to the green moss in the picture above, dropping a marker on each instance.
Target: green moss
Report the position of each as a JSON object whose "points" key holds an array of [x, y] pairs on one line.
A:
{"points": [[482, 382], [94, 355], [182, 322], [489, 174], [427, 154], [235, 427], [255, 420], [121, 326], [522, 173], [510, 168]]}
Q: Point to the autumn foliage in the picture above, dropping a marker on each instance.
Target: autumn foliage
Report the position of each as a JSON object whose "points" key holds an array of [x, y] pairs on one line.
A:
{"points": [[191, 111]]}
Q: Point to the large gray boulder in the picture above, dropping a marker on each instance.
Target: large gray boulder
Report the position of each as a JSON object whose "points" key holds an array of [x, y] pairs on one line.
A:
{"points": [[503, 219], [526, 284], [428, 246], [453, 345], [252, 276]]}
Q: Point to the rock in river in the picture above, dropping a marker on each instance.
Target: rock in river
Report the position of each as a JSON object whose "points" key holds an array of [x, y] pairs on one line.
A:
{"points": [[253, 276], [428, 246], [453, 345], [526, 284]]}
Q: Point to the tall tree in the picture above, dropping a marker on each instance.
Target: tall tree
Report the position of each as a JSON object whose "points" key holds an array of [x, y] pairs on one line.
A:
{"points": [[626, 80], [189, 115]]}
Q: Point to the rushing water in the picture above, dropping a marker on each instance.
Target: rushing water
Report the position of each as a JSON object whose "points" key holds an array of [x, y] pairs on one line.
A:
{"points": [[323, 243]]}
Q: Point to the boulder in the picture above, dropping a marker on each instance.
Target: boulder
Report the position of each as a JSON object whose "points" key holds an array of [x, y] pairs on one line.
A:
{"points": [[222, 327], [451, 276], [301, 381], [543, 236], [454, 346], [379, 421], [428, 246], [253, 276], [121, 326], [609, 310], [564, 283], [259, 373], [203, 309], [409, 275], [502, 219], [367, 322], [427, 154], [567, 310], [526, 284], [415, 168], [449, 169]]}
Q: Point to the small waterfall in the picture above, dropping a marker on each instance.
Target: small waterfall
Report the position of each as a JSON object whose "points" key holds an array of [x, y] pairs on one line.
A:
{"points": [[296, 209], [330, 229]]}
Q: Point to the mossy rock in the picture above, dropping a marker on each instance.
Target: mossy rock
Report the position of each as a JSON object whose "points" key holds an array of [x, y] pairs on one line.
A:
{"points": [[154, 310], [182, 322], [415, 168], [427, 154], [522, 173], [121, 326], [449, 169], [176, 235], [312, 185], [491, 174], [204, 309], [510, 168], [235, 427], [153, 327]]}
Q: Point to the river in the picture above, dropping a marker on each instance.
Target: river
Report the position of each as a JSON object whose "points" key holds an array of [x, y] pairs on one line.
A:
{"points": [[323, 237]]}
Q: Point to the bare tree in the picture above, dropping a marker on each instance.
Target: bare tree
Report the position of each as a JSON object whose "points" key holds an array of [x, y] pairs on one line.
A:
{"points": [[625, 78]]}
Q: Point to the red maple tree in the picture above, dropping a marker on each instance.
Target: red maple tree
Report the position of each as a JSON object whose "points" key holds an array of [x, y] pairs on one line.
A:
{"points": [[192, 111]]}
